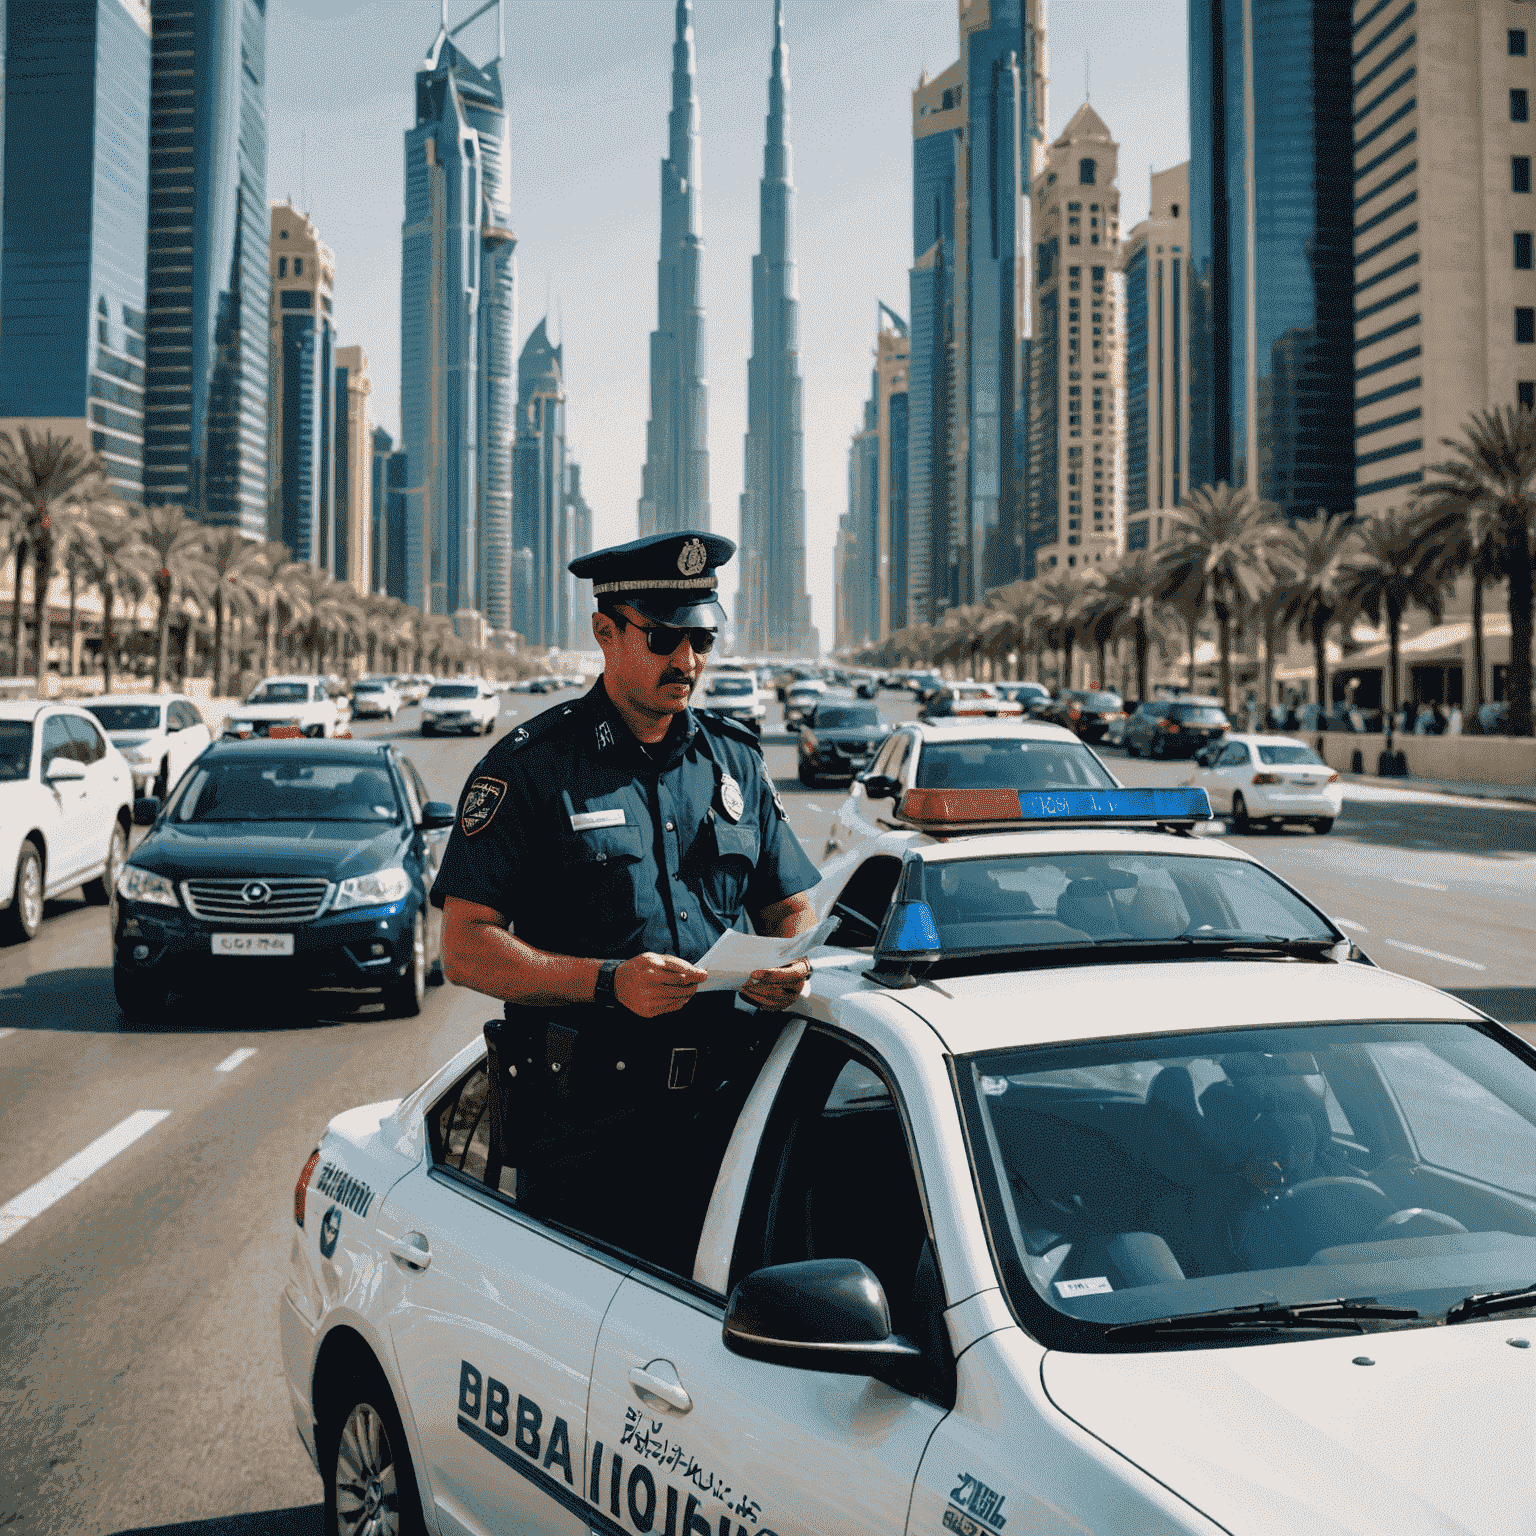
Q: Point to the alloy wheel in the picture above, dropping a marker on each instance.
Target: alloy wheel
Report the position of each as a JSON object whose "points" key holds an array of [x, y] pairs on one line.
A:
{"points": [[367, 1503], [29, 890]]}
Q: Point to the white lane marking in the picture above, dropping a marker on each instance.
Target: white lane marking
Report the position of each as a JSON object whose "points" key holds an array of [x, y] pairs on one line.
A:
{"points": [[1422, 885], [5, 1032], [1435, 954], [1344, 922], [811, 805], [234, 1058], [15, 1214]]}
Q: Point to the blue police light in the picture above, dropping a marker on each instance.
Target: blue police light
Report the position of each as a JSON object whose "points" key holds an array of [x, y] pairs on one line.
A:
{"points": [[912, 930], [1115, 805]]}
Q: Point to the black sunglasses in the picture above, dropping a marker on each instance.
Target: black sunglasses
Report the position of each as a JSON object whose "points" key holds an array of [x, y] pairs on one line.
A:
{"points": [[663, 639]]}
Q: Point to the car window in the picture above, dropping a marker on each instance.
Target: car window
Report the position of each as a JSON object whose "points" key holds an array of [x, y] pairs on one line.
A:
{"points": [[286, 789], [459, 1129], [418, 783], [127, 717], [843, 716], [15, 750], [1009, 763], [1198, 714], [898, 762], [90, 744], [861, 904], [1295, 753], [57, 741], [1234, 756]]}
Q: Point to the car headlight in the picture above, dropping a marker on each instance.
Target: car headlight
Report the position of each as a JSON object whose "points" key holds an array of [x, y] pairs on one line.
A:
{"points": [[380, 889], [135, 884]]}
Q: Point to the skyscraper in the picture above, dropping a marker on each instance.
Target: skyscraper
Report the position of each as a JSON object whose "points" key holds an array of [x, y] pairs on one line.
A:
{"points": [[1272, 220], [579, 521], [301, 404], [457, 324], [353, 494], [773, 608], [674, 488], [205, 419], [76, 178], [538, 493], [381, 446]]}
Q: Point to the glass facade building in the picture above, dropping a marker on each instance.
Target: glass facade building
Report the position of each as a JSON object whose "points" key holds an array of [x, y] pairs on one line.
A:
{"points": [[76, 187], [1272, 201], [540, 535], [205, 433]]}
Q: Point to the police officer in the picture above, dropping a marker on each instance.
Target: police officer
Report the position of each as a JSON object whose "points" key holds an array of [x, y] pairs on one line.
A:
{"points": [[599, 852]]}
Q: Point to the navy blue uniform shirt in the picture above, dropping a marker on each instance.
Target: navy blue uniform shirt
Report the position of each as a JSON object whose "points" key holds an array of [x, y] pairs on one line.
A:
{"points": [[593, 844]]}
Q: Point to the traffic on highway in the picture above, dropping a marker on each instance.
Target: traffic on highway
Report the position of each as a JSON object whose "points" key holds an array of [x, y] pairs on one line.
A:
{"points": [[1155, 1131]]}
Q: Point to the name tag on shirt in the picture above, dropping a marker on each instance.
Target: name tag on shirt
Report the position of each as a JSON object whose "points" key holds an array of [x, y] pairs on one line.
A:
{"points": [[590, 821]]}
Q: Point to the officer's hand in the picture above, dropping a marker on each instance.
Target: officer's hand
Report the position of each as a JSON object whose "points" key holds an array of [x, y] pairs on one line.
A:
{"points": [[777, 989], [651, 984]]}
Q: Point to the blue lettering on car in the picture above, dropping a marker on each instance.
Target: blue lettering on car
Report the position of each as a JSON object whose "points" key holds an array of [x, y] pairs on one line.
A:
{"points": [[337, 1184], [974, 1508], [330, 1231]]}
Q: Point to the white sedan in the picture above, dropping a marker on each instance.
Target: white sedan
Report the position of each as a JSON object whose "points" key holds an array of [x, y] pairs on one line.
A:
{"points": [[1268, 781], [1100, 1185], [462, 704], [160, 735]]}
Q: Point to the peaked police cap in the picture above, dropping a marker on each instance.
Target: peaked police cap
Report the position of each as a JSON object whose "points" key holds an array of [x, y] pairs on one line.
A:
{"points": [[668, 577]]}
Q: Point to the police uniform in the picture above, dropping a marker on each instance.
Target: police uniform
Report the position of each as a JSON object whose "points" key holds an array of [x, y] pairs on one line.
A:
{"points": [[592, 843]]}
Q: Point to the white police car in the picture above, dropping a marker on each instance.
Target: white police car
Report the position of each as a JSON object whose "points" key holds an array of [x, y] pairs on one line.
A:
{"points": [[1105, 1187]]}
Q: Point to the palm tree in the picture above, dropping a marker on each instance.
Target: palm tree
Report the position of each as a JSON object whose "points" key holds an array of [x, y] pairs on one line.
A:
{"points": [[1392, 571], [13, 537], [1059, 599], [239, 571], [40, 477], [1217, 557], [181, 549], [1493, 478], [1130, 602], [1313, 558], [109, 554]]}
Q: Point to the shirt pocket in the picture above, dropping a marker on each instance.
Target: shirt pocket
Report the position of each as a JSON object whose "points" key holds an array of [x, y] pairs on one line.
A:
{"points": [[606, 846], [730, 870]]}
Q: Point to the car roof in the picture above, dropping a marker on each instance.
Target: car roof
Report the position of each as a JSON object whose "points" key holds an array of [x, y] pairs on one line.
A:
{"points": [[359, 750], [133, 698], [979, 728], [30, 709], [1260, 738]]}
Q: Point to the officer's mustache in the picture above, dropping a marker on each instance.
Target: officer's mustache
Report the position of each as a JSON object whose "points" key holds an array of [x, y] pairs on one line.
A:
{"points": [[672, 675]]}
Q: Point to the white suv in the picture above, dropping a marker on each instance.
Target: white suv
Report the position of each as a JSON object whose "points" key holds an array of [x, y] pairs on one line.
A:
{"points": [[460, 704], [66, 806], [159, 734], [287, 706]]}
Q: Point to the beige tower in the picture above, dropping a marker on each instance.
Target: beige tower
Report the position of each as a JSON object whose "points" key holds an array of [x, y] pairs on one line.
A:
{"points": [[354, 470], [892, 350], [1155, 266], [1444, 288], [1076, 408]]}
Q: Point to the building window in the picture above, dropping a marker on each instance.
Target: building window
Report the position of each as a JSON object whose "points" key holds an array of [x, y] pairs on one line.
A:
{"points": [[103, 334], [298, 266], [1087, 171], [1519, 106], [1520, 173], [1523, 250], [1517, 42], [1175, 214], [1525, 392], [1525, 324], [282, 266]]}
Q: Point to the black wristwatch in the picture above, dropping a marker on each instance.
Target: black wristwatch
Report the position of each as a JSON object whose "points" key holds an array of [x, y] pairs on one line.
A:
{"points": [[603, 994]]}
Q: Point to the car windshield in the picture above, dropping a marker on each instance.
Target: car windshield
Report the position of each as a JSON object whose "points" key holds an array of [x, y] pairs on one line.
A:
{"points": [[453, 691], [845, 716], [1197, 714], [15, 749], [127, 717], [1101, 701], [1165, 1176], [280, 693], [1290, 754], [731, 686], [368, 688], [1007, 763], [287, 788]]}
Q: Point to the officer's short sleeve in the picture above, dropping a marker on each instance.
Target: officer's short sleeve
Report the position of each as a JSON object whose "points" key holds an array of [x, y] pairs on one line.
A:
{"points": [[783, 867], [487, 860]]}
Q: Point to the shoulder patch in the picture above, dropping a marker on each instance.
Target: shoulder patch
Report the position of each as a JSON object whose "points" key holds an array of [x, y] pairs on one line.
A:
{"points": [[482, 799], [723, 725]]}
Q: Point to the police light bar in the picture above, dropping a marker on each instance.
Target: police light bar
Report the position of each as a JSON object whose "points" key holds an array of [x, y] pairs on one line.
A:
{"points": [[1005, 809]]}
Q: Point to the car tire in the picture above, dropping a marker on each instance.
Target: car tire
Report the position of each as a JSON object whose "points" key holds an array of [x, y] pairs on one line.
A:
{"points": [[140, 999], [1323, 825], [370, 1484], [1240, 822], [24, 916], [102, 892], [404, 997]]}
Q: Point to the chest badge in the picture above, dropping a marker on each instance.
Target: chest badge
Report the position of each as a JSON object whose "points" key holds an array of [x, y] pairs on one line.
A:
{"points": [[731, 800]]}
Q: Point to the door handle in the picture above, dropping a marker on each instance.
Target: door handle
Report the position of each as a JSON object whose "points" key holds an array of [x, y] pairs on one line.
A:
{"points": [[413, 1251], [659, 1381]]}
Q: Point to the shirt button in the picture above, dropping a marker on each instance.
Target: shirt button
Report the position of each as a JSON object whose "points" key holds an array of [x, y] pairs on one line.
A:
{"points": [[683, 915], [669, 826]]}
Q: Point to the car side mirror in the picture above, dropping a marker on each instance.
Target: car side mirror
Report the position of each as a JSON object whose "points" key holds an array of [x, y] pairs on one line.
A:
{"points": [[62, 768], [146, 810], [880, 786], [437, 814], [818, 1315]]}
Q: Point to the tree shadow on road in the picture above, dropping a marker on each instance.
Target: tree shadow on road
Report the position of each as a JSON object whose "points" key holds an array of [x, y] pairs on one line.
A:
{"points": [[302, 1520], [1454, 827]]}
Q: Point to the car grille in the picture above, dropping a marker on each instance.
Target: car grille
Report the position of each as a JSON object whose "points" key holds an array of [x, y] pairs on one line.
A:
{"points": [[287, 901]]}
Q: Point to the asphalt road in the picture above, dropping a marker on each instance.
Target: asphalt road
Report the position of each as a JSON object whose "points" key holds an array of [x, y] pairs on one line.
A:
{"points": [[142, 1390]]}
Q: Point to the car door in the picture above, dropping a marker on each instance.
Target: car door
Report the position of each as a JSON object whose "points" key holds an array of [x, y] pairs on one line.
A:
{"points": [[493, 1331], [684, 1436], [1227, 773], [69, 802], [108, 783]]}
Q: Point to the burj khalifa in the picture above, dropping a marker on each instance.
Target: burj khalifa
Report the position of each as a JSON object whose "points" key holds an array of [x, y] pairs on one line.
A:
{"points": [[675, 482]]}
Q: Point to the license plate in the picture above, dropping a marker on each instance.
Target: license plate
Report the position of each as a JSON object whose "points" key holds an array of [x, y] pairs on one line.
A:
{"points": [[253, 943]]}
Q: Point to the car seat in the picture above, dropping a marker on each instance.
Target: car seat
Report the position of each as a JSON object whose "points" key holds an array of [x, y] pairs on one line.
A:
{"points": [[1087, 905]]}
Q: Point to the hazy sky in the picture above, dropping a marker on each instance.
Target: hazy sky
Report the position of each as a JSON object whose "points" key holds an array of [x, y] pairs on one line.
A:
{"points": [[588, 91]]}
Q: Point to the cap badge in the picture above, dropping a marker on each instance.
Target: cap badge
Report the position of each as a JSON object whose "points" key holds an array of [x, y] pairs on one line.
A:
{"points": [[731, 801], [692, 558]]}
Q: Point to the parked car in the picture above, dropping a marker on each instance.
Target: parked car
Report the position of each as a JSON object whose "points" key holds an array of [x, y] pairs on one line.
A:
{"points": [[734, 694], [1032, 697], [1115, 735], [838, 738], [1266, 781], [800, 700], [160, 735], [1086, 712], [465, 704], [374, 697], [1174, 727], [66, 806], [287, 706], [332, 893], [969, 699]]}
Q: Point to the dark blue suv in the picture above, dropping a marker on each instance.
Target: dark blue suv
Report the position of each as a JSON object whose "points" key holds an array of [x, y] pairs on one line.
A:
{"points": [[278, 866]]}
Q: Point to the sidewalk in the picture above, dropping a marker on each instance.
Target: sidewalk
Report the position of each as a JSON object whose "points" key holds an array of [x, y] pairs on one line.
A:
{"points": [[1508, 794]]}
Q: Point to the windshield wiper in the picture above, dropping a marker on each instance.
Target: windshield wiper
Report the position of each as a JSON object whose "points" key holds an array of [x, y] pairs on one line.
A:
{"points": [[1340, 1313], [1486, 1302], [1255, 943]]}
